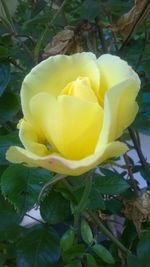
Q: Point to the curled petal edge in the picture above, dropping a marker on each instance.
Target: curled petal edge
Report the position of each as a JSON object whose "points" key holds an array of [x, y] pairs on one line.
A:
{"points": [[58, 164]]}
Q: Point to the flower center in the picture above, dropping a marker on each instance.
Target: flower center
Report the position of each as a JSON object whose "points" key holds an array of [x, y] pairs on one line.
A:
{"points": [[80, 88]]}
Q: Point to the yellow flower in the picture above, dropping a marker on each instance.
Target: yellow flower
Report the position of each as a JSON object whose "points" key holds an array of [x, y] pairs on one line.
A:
{"points": [[74, 108]]}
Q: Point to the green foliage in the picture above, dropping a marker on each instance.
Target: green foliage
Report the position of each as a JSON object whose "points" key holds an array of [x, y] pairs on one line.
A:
{"points": [[103, 253], [39, 247], [111, 183], [67, 240], [21, 185], [86, 232], [54, 208], [76, 239], [4, 73]]}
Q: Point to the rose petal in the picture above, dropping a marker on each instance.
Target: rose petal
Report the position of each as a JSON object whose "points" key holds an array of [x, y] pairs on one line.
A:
{"points": [[53, 74], [114, 70], [71, 124], [58, 164], [120, 110], [31, 139]]}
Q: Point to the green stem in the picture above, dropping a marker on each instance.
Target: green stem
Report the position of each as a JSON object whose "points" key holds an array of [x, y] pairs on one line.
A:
{"points": [[52, 181], [97, 221], [84, 199], [108, 233]]}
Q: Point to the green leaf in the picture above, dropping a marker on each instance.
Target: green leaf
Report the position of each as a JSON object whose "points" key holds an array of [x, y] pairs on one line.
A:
{"points": [[2, 260], [39, 247], [67, 239], [9, 106], [22, 185], [90, 9], [74, 252], [111, 183], [5, 142], [103, 253], [4, 52], [114, 205], [145, 173], [133, 261], [76, 263], [4, 76], [141, 124], [8, 217], [54, 208], [96, 200], [91, 262], [86, 232], [143, 249]]}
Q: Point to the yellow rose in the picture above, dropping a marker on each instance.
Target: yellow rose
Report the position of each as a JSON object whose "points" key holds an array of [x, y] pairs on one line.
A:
{"points": [[74, 108]]}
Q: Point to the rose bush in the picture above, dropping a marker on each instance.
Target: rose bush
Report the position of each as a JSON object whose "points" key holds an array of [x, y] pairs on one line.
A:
{"points": [[74, 108]]}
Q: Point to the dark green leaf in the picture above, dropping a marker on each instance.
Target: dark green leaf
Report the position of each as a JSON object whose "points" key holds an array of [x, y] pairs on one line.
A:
{"points": [[76, 263], [103, 253], [112, 183], [8, 216], [90, 9], [74, 252], [54, 208], [5, 142], [86, 232], [9, 106], [143, 249], [4, 76], [133, 261], [2, 260], [91, 262], [39, 247], [22, 185], [96, 200], [114, 205], [67, 239]]}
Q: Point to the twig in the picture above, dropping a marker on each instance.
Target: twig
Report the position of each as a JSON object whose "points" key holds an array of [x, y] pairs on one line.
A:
{"points": [[38, 46], [129, 168], [101, 35], [138, 148], [143, 15], [101, 226]]}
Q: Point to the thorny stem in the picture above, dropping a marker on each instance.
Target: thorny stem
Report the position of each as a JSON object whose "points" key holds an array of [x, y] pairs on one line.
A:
{"points": [[104, 229], [129, 168], [96, 219]]}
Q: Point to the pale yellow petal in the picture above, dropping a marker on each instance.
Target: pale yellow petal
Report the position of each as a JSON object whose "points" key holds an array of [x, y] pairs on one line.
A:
{"points": [[31, 139], [120, 109], [80, 88], [70, 124], [114, 70], [58, 164], [54, 73]]}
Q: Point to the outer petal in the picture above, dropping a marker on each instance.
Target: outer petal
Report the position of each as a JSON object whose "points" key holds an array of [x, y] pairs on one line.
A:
{"points": [[120, 110], [53, 74], [31, 139], [61, 165], [114, 70]]}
